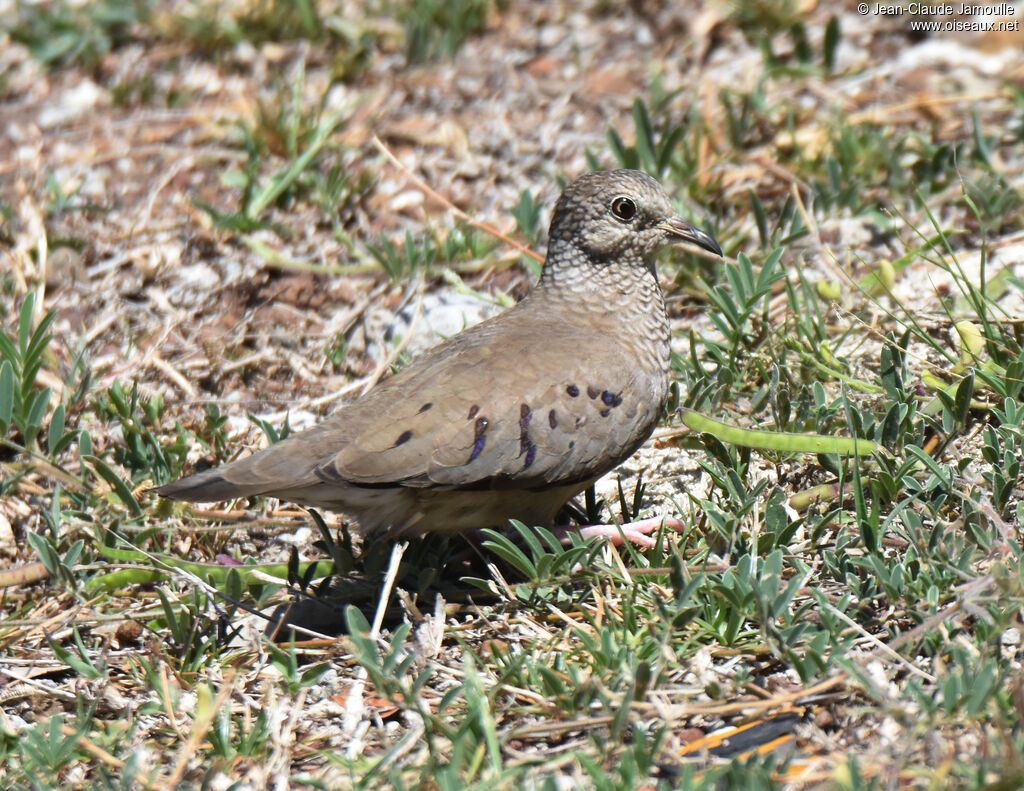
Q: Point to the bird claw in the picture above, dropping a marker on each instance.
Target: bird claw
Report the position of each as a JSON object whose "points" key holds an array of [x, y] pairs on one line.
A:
{"points": [[636, 533]]}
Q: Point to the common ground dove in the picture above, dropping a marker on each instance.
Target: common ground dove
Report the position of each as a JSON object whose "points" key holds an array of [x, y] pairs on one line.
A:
{"points": [[510, 417]]}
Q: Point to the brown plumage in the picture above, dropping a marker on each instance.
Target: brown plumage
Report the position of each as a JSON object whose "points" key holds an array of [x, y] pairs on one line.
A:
{"points": [[513, 416]]}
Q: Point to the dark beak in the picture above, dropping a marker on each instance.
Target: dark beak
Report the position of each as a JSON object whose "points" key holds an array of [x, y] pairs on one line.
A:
{"points": [[675, 227]]}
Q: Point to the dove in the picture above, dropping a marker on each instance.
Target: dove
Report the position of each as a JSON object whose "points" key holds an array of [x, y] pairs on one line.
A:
{"points": [[513, 416]]}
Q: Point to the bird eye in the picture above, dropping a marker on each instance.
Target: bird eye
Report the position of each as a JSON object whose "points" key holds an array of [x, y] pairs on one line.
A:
{"points": [[624, 208]]}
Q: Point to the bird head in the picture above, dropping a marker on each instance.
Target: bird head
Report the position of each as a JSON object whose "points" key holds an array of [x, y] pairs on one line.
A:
{"points": [[619, 215]]}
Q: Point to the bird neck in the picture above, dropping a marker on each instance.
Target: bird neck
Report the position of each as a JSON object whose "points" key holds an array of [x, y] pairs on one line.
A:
{"points": [[570, 266], [624, 294]]}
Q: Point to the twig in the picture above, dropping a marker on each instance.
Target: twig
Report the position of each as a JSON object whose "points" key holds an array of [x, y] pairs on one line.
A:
{"points": [[397, 551], [158, 362], [200, 726]]}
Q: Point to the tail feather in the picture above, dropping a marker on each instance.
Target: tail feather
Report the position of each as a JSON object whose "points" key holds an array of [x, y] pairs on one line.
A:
{"points": [[271, 471], [207, 487]]}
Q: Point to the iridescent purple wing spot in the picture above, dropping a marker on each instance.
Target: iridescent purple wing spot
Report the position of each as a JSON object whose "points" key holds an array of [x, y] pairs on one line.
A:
{"points": [[479, 437]]}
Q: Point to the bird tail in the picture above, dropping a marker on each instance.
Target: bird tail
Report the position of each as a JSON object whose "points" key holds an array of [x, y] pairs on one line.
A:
{"points": [[206, 487]]}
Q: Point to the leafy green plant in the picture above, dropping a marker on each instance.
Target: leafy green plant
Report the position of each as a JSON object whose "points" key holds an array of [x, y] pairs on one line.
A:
{"points": [[336, 350], [787, 227], [59, 564], [212, 433], [424, 253], [545, 568], [749, 120], [272, 433], [736, 308], [395, 675], [234, 736], [285, 127], [438, 28], [527, 213], [294, 679], [64, 33], [215, 26], [671, 152], [47, 750], [801, 54], [400, 262], [81, 660], [1003, 450], [767, 17], [997, 199], [336, 193], [60, 202], [142, 450], [196, 638], [23, 404]]}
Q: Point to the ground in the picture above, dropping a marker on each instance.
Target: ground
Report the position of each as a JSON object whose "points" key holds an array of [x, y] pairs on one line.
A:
{"points": [[222, 220]]}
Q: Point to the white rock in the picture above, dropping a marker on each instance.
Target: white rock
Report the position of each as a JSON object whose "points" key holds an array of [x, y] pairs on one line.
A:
{"points": [[72, 103]]}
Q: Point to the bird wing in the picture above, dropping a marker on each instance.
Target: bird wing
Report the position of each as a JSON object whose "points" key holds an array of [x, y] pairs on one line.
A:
{"points": [[527, 399], [543, 406]]}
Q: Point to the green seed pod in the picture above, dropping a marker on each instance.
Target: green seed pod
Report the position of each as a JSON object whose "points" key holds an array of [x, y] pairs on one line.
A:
{"points": [[972, 344], [829, 289], [880, 282]]}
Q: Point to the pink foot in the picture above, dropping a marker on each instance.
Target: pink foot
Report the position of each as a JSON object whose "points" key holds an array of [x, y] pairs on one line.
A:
{"points": [[637, 533]]}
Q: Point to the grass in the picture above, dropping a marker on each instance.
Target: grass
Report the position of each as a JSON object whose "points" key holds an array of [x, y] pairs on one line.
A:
{"points": [[848, 581]]}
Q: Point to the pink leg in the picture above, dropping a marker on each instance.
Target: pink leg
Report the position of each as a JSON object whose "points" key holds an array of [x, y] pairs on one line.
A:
{"points": [[637, 533]]}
